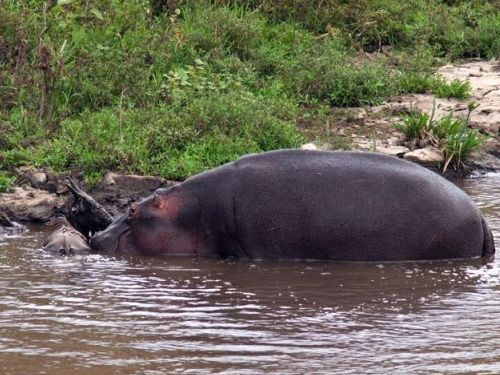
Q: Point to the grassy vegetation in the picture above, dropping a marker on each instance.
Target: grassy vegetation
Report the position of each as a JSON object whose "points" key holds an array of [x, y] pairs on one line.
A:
{"points": [[174, 87], [436, 85], [6, 182], [450, 134], [414, 126]]}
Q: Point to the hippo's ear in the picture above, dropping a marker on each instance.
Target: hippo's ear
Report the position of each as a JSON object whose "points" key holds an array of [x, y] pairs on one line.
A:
{"points": [[159, 200], [177, 206], [162, 196]]}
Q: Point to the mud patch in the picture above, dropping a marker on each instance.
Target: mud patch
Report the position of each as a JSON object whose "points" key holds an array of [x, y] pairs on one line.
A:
{"points": [[43, 194]]}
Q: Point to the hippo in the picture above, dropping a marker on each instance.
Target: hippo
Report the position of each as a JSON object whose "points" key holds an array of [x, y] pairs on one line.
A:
{"points": [[65, 240], [305, 204]]}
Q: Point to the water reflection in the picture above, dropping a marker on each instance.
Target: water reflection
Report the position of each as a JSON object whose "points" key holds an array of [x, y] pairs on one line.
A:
{"points": [[97, 314]]}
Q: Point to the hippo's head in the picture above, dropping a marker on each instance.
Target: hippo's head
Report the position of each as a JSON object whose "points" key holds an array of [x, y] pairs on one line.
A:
{"points": [[166, 223]]}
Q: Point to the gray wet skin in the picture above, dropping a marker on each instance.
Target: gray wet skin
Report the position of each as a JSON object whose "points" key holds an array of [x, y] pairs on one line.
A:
{"points": [[299, 204], [65, 240]]}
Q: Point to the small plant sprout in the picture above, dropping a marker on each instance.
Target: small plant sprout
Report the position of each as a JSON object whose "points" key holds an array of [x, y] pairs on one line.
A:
{"points": [[451, 134], [373, 143], [460, 140], [414, 125]]}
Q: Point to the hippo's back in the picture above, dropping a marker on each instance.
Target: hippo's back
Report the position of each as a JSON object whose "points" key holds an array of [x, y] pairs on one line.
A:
{"points": [[350, 206]]}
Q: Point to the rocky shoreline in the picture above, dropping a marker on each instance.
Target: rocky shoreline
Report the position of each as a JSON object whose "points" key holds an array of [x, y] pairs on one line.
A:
{"points": [[41, 194], [372, 128]]}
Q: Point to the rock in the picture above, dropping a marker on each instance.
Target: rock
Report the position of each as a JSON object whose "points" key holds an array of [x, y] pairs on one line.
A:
{"points": [[358, 113], [393, 150], [484, 78], [492, 145], [44, 194], [36, 178], [29, 204], [5, 220], [427, 156], [309, 146], [129, 184], [40, 177], [483, 162]]}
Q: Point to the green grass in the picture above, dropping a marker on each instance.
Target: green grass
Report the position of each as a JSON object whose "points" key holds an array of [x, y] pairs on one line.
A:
{"points": [[453, 135], [456, 139], [454, 89], [6, 182], [173, 88], [328, 75], [414, 126], [419, 83]]}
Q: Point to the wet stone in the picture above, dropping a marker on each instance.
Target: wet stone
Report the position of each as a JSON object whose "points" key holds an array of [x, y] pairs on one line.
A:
{"points": [[393, 150], [309, 146], [428, 155], [29, 204]]}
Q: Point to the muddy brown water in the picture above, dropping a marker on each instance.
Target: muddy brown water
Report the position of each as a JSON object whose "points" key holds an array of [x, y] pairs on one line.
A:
{"points": [[97, 314]]}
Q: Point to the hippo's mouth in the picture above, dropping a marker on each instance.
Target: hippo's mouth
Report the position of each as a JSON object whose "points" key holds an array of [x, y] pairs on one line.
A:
{"points": [[126, 231], [109, 240]]}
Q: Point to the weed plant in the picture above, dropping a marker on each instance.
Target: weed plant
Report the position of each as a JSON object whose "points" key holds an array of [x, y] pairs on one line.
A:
{"points": [[434, 84], [6, 182], [453, 135], [414, 126]]}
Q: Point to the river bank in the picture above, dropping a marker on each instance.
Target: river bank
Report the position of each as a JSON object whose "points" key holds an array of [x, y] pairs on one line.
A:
{"points": [[172, 90], [373, 128]]}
